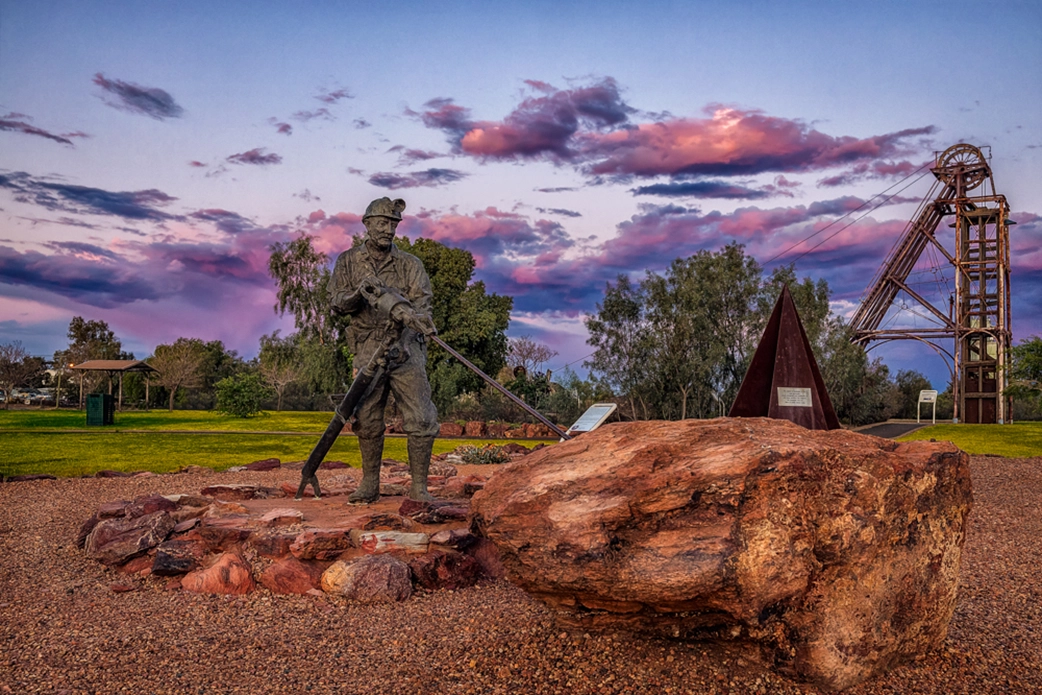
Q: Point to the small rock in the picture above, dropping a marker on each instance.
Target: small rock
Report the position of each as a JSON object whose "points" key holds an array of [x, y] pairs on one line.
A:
{"points": [[320, 544], [455, 538], [374, 579], [148, 505], [386, 521], [229, 574], [122, 588], [221, 508], [111, 474], [463, 486], [178, 557], [237, 492], [443, 570], [113, 541], [291, 576], [282, 517], [376, 542], [450, 429], [393, 490], [195, 469], [332, 465], [186, 525], [264, 465], [270, 544], [29, 476]]}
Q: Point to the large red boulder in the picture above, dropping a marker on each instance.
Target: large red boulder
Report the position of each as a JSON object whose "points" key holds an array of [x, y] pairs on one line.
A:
{"points": [[837, 553]]}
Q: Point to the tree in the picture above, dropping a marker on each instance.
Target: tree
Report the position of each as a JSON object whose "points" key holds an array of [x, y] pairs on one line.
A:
{"points": [[620, 334], [528, 354], [17, 368], [909, 383], [241, 395], [302, 275], [91, 340], [467, 317], [179, 365], [279, 362], [1025, 372], [677, 343]]}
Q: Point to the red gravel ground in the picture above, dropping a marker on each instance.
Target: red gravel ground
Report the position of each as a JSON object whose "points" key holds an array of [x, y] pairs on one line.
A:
{"points": [[64, 630]]}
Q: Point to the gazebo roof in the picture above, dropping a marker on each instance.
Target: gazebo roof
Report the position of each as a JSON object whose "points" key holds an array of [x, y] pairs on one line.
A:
{"points": [[115, 366]]}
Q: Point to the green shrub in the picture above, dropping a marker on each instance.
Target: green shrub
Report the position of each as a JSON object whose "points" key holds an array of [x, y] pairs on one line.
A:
{"points": [[483, 455], [241, 395]]}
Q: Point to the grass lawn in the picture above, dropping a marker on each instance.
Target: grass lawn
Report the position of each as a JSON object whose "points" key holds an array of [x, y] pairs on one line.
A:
{"points": [[1017, 440], [49, 441]]}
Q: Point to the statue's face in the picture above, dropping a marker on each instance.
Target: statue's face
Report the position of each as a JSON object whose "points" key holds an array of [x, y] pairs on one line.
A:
{"points": [[380, 231]]}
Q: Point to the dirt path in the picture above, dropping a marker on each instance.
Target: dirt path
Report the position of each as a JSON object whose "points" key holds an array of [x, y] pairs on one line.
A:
{"points": [[63, 630]]}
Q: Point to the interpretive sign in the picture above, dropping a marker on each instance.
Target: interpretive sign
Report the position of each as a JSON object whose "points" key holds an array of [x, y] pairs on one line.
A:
{"points": [[593, 418], [794, 397], [927, 396]]}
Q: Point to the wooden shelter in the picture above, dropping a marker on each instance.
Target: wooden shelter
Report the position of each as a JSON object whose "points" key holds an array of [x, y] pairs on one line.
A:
{"points": [[111, 367]]}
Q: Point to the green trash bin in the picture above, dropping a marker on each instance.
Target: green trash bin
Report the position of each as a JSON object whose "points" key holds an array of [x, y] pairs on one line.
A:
{"points": [[101, 409]]}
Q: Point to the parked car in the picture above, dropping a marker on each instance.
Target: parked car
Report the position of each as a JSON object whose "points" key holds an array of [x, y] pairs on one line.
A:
{"points": [[29, 396]]}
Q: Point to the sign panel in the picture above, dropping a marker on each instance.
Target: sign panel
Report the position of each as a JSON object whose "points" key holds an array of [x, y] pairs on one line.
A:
{"points": [[927, 396], [794, 397], [593, 418]]}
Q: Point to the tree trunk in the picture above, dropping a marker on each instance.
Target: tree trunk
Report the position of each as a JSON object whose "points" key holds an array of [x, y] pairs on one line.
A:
{"points": [[278, 407], [173, 392]]}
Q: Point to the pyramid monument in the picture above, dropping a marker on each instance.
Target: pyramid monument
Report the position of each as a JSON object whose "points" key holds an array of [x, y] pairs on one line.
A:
{"points": [[783, 380]]}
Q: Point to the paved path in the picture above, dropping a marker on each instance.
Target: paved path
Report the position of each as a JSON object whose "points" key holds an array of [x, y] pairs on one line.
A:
{"points": [[891, 430]]}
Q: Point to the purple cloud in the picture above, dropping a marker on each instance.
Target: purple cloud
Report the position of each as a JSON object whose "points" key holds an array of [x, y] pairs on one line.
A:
{"points": [[541, 126], [703, 189], [97, 282], [133, 205], [227, 222], [334, 97], [408, 156], [258, 156], [428, 177], [22, 127], [148, 101], [559, 211]]}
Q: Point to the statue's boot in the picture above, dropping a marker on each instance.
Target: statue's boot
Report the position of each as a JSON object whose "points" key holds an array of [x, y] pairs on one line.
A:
{"points": [[372, 455], [419, 464]]}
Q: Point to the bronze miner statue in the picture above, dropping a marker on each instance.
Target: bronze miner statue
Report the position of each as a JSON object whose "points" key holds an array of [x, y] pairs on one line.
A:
{"points": [[388, 295]]}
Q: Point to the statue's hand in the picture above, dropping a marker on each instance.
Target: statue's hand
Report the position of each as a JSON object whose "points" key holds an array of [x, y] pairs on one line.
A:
{"points": [[421, 323]]}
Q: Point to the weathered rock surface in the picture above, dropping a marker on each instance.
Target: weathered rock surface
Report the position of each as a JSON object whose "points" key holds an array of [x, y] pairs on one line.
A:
{"points": [[837, 552], [229, 574], [239, 492], [178, 557], [444, 570], [264, 465], [376, 542], [291, 576], [116, 540], [372, 579], [321, 544], [282, 517]]}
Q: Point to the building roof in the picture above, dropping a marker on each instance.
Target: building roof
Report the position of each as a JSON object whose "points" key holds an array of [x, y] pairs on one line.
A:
{"points": [[115, 366]]}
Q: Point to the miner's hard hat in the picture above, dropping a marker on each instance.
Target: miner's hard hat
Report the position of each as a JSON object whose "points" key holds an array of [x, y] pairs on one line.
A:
{"points": [[385, 207]]}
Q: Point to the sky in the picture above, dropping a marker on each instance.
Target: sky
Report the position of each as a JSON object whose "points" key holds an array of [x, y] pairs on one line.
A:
{"points": [[151, 152]]}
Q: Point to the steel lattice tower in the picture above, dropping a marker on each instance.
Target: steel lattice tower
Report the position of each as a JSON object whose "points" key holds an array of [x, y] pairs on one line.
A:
{"points": [[976, 320]]}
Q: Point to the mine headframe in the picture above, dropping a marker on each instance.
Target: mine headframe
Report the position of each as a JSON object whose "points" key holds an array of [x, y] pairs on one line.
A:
{"points": [[966, 318]]}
